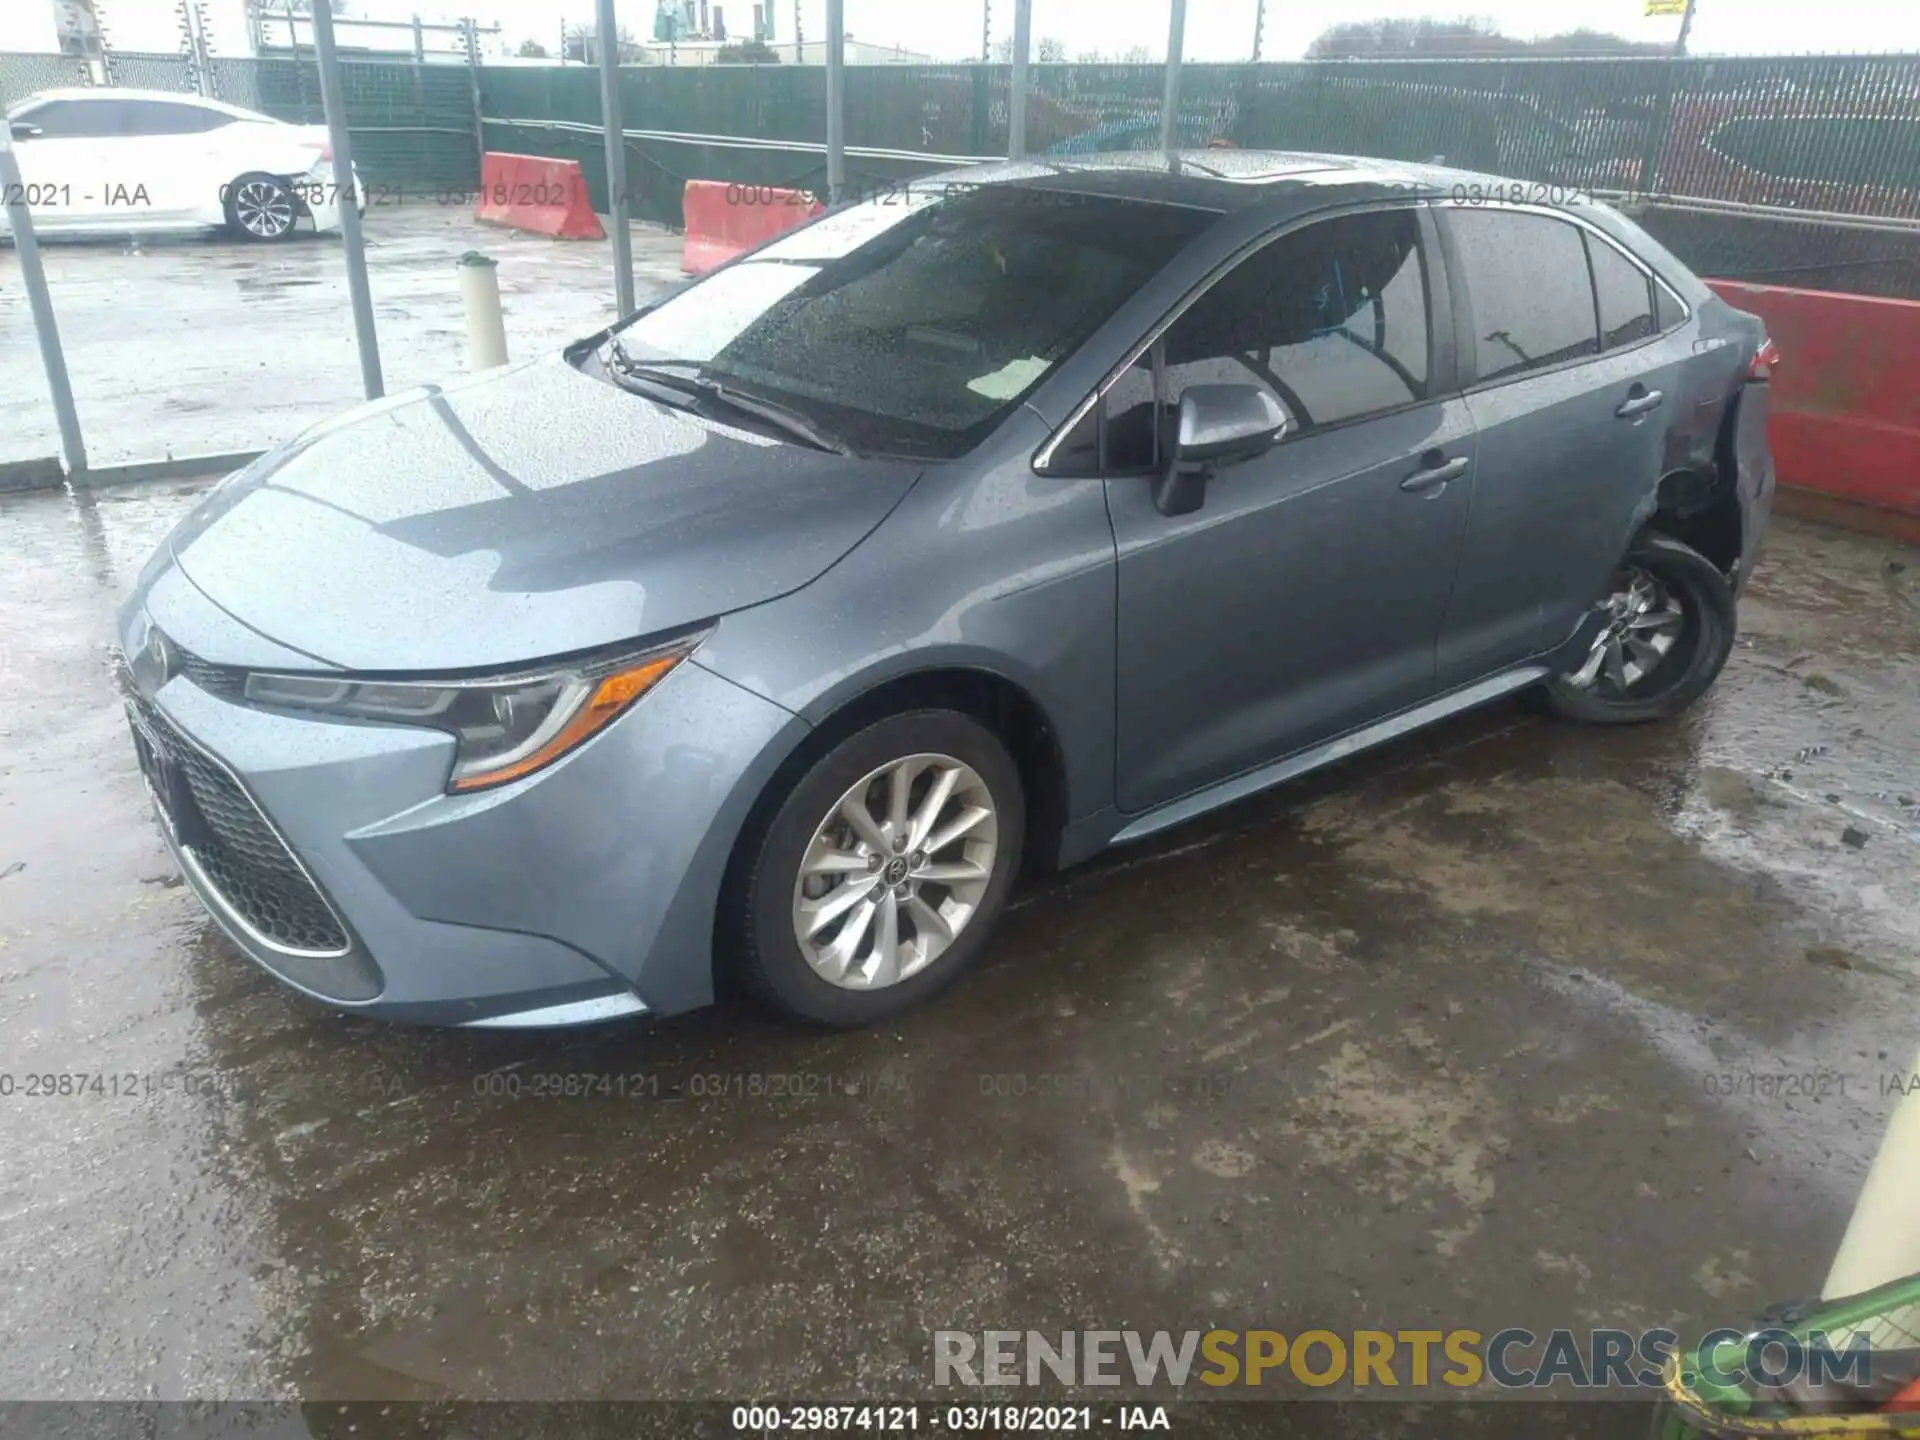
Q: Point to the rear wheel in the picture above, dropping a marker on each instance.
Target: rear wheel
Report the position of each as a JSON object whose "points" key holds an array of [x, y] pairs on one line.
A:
{"points": [[1669, 626], [260, 207], [881, 874]]}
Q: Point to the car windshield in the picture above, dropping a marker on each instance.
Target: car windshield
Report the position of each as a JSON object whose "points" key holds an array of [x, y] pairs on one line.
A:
{"points": [[913, 323]]}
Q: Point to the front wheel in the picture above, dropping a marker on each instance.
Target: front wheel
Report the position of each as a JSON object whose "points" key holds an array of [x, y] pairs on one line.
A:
{"points": [[260, 207], [1668, 628], [882, 872]]}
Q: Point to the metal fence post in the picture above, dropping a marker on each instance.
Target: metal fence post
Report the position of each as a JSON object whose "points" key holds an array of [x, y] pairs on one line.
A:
{"points": [[1017, 86], [333, 101], [616, 138], [33, 277], [471, 39], [836, 100], [1170, 101]]}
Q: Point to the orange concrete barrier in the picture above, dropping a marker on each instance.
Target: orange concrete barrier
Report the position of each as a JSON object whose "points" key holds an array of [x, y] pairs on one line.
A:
{"points": [[532, 192], [1845, 402], [725, 218]]}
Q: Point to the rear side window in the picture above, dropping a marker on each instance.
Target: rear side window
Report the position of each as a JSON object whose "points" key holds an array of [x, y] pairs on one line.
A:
{"points": [[1526, 278], [1625, 295]]}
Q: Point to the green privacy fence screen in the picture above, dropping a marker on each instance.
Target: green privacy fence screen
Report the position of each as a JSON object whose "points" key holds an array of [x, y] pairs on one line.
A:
{"points": [[1789, 134], [1806, 133], [413, 125]]}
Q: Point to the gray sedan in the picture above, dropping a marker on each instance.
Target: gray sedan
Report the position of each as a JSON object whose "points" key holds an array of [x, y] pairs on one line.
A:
{"points": [[764, 637]]}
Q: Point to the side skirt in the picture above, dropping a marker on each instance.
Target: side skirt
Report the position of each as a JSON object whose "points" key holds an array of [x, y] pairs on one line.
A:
{"points": [[1251, 782]]}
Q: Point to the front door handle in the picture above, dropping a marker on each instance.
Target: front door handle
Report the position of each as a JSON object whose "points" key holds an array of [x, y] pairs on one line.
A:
{"points": [[1433, 476], [1640, 401]]}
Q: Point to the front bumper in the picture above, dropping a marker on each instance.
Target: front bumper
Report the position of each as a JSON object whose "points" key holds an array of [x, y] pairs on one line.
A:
{"points": [[581, 893]]}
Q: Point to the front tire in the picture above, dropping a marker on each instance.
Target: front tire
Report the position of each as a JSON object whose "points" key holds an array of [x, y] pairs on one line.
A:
{"points": [[1669, 629], [882, 873], [261, 208]]}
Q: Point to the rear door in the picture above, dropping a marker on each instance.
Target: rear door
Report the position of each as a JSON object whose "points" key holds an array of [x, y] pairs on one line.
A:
{"points": [[1571, 391], [1303, 598], [171, 145]]}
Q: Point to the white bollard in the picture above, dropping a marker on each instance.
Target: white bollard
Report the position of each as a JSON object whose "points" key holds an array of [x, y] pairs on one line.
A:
{"points": [[1882, 1242], [480, 298]]}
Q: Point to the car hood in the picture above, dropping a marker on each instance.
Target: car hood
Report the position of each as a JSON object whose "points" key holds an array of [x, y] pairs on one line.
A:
{"points": [[523, 513]]}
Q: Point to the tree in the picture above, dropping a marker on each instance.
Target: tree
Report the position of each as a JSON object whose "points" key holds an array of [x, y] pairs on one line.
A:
{"points": [[1050, 51], [531, 49], [1137, 55], [746, 52], [1466, 35], [582, 42]]}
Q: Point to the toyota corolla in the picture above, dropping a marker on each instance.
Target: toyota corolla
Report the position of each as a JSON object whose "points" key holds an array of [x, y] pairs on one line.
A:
{"points": [[764, 637]]}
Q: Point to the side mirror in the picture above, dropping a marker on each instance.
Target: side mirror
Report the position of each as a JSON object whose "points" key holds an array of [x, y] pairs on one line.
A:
{"points": [[1218, 425], [23, 130]]}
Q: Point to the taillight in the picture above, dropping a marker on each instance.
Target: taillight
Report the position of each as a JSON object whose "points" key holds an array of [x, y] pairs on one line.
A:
{"points": [[1764, 359]]}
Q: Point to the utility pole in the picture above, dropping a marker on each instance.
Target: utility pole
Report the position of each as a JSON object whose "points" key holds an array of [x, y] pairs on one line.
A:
{"points": [[1686, 27], [986, 32], [799, 45], [1259, 26]]}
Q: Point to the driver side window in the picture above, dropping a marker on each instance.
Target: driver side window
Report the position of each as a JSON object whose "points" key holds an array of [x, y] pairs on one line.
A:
{"points": [[1331, 320]]}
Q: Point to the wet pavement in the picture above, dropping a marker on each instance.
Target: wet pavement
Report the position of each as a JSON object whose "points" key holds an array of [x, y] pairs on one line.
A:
{"points": [[1479, 1030], [197, 346]]}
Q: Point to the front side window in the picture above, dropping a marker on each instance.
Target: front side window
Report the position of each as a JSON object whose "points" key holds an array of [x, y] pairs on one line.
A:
{"points": [[913, 324], [75, 119], [1331, 320], [1526, 278]]}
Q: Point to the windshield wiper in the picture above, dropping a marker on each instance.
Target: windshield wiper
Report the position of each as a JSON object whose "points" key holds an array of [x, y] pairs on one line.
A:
{"points": [[799, 426]]}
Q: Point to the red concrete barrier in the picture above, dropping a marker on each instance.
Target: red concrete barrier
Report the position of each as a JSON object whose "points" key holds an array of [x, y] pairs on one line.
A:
{"points": [[532, 192], [1845, 403], [724, 219]]}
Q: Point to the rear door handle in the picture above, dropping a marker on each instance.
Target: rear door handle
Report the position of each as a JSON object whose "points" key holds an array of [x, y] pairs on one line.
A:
{"points": [[1432, 477], [1640, 404]]}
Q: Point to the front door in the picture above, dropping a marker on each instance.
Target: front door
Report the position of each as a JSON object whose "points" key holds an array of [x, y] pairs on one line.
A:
{"points": [[1303, 598]]}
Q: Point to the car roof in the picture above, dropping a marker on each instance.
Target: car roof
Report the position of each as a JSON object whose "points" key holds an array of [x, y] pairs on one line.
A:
{"points": [[120, 92], [1233, 179]]}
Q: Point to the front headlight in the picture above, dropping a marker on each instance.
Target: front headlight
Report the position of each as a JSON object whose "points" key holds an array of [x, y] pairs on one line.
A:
{"points": [[507, 727]]}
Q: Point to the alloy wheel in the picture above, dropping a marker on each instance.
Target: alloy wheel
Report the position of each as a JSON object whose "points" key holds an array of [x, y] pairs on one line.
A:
{"points": [[1644, 621], [895, 872], [263, 209]]}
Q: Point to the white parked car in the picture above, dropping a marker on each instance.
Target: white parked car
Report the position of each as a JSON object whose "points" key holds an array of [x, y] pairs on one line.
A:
{"points": [[116, 162]]}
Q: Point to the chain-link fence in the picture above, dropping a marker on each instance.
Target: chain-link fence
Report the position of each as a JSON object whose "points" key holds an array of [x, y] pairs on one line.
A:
{"points": [[24, 74], [1804, 133], [1800, 133], [413, 124]]}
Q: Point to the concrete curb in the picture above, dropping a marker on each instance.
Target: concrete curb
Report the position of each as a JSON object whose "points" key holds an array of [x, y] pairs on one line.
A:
{"points": [[43, 473], [47, 473]]}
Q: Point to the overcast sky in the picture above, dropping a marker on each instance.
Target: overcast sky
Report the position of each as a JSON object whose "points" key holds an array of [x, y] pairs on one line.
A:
{"points": [[1223, 29], [1216, 29]]}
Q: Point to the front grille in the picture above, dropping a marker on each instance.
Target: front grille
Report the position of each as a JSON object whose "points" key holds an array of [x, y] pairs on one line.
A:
{"points": [[240, 854]]}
